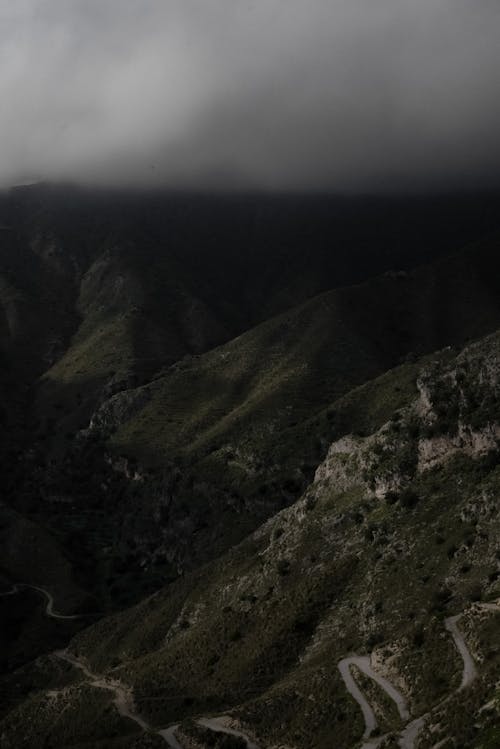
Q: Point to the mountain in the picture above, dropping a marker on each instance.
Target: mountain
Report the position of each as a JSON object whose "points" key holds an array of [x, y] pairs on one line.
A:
{"points": [[244, 439]]}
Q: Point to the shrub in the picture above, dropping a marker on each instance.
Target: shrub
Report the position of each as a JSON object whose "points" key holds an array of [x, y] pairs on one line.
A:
{"points": [[374, 638], [283, 567], [451, 551], [418, 638], [391, 497], [441, 598], [408, 498], [474, 593]]}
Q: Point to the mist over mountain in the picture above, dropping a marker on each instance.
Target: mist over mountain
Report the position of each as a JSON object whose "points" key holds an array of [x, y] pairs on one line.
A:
{"points": [[330, 94]]}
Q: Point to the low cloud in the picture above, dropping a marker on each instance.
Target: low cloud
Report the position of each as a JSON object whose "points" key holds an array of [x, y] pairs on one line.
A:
{"points": [[278, 94]]}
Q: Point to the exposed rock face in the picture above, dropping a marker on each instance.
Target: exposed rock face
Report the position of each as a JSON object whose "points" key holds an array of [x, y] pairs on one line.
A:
{"points": [[123, 465], [455, 412], [338, 468], [433, 451], [118, 409]]}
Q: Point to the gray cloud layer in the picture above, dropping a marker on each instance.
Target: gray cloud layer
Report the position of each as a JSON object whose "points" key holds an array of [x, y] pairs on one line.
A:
{"points": [[348, 94]]}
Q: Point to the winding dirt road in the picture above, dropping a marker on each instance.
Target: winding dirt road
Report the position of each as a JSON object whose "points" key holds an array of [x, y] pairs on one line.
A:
{"points": [[470, 671], [123, 697], [363, 663], [409, 734], [223, 725], [344, 667], [169, 734], [124, 703]]}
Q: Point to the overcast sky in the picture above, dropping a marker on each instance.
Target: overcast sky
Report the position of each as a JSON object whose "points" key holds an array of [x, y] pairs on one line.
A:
{"points": [[342, 94]]}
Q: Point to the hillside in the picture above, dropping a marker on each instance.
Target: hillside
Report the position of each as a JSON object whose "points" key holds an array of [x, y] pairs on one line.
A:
{"points": [[160, 478], [244, 426], [396, 533], [239, 445], [100, 290]]}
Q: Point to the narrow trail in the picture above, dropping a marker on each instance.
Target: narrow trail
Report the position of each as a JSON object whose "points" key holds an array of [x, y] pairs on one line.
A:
{"points": [[123, 699], [410, 732], [10, 592], [49, 608], [124, 703]]}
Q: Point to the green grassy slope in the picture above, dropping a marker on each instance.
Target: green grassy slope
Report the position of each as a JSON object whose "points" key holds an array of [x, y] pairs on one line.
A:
{"points": [[242, 427], [109, 286], [293, 365], [134, 319]]}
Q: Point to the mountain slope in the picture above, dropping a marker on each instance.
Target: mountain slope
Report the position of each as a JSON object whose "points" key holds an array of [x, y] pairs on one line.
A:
{"points": [[160, 406], [303, 359], [398, 529], [100, 290], [237, 432], [176, 471]]}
